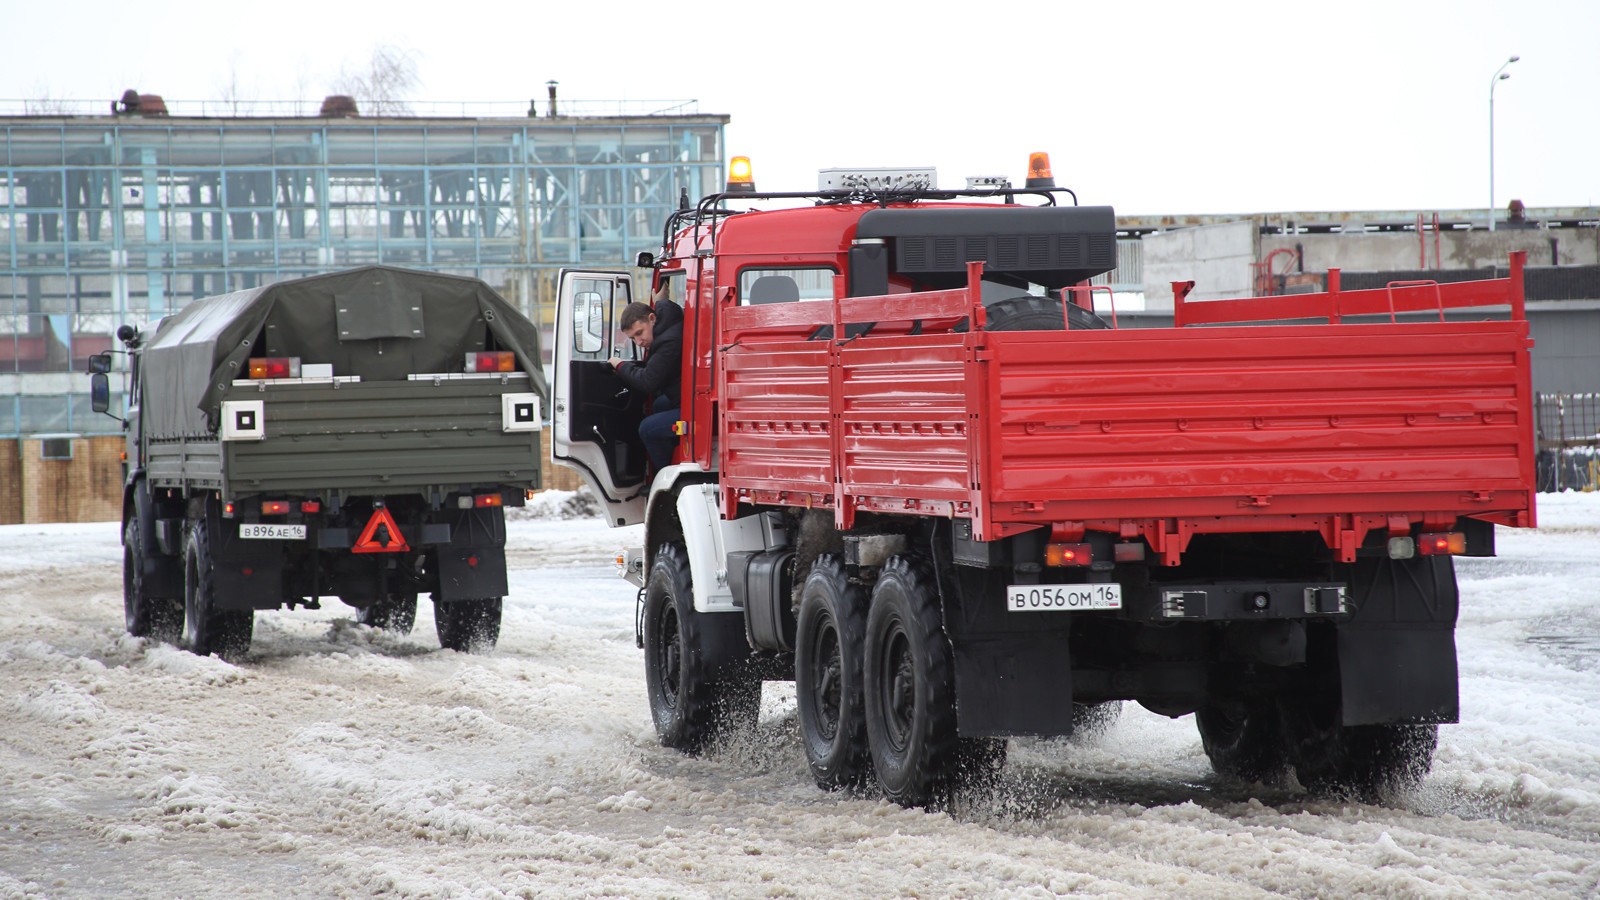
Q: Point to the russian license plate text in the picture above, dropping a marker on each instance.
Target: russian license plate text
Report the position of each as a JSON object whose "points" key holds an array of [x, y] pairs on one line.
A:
{"points": [[1063, 597], [260, 531]]}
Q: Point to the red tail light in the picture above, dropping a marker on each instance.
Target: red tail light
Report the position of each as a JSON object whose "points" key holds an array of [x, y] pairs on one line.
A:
{"points": [[274, 507], [1068, 554], [485, 500], [498, 361], [275, 367], [1444, 543]]}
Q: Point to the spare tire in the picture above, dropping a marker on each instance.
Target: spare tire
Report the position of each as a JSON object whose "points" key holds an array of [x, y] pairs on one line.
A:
{"points": [[1031, 312]]}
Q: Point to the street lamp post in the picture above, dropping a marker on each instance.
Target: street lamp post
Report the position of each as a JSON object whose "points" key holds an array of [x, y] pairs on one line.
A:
{"points": [[1500, 75]]}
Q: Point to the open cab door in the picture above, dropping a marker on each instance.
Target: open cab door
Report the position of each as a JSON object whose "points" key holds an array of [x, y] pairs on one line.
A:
{"points": [[594, 418]]}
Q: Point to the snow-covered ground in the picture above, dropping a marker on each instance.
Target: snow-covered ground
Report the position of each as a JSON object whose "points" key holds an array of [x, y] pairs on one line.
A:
{"points": [[340, 761]]}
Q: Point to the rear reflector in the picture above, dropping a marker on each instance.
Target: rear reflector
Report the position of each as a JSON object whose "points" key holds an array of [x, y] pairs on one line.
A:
{"points": [[275, 367], [1444, 543], [310, 506], [1131, 551], [498, 361]]}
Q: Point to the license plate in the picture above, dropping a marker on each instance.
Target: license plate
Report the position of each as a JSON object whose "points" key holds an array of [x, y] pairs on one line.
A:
{"points": [[258, 531], [1063, 597]]}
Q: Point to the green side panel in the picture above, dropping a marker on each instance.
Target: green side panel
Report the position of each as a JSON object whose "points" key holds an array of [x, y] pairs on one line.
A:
{"points": [[194, 463], [381, 437]]}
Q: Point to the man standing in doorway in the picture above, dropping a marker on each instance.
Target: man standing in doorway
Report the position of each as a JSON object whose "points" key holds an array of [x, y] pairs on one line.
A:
{"points": [[658, 332]]}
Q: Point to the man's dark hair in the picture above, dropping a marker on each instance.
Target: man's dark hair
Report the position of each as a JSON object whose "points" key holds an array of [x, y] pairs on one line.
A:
{"points": [[634, 313]]}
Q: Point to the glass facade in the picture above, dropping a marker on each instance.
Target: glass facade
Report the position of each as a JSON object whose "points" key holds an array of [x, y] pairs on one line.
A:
{"points": [[124, 219]]}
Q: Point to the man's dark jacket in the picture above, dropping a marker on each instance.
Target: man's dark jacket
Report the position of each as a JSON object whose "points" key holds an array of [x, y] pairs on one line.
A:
{"points": [[662, 370]]}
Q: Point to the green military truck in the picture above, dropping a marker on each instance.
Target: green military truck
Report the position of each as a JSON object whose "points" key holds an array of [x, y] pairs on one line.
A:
{"points": [[353, 435]]}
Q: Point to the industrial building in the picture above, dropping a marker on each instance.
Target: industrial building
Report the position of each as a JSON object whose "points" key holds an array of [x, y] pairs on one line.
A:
{"points": [[125, 216]]}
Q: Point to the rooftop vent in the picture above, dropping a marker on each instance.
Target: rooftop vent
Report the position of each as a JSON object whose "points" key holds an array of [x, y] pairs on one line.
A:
{"points": [[339, 106], [134, 103]]}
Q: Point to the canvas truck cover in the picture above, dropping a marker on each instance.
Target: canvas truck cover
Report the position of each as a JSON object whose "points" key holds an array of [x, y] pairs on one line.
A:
{"points": [[378, 322]]}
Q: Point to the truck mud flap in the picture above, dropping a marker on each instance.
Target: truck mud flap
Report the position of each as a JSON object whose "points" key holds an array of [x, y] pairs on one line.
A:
{"points": [[1013, 684], [249, 584], [1397, 659], [471, 573], [1398, 675]]}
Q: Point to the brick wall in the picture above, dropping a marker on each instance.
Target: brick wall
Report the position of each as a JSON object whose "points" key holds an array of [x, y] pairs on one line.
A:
{"points": [[556, 478], [10, 482], [88, 487], [85, 488]]}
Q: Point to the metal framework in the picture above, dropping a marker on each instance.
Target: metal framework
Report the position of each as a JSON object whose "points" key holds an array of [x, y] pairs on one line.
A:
{"points": [[124, 219]]}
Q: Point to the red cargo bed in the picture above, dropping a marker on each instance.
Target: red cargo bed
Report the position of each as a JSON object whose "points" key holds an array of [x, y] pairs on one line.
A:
{"points": [[1331, 426]]}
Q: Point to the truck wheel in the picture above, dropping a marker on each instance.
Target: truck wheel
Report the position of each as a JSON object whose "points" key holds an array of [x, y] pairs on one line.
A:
{"points": [[395, 612], [1242, 741], [1033, 313], [467, 626], [697, 692], [157, 618], [829, 643], [910, 688], [1363, 761], [206, 629]]}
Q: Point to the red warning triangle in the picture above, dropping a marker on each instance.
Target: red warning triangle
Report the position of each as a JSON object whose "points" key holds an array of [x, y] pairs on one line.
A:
{"points": [[381, 535]]}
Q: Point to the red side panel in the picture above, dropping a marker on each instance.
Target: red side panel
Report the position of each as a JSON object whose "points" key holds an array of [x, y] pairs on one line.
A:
{"points": [[1160, 433], [1261, 420]]}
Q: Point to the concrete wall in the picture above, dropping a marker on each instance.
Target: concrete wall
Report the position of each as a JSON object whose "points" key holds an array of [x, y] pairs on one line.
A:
{"points": [[1393, 251], [1566, 347], [1216, 258]]}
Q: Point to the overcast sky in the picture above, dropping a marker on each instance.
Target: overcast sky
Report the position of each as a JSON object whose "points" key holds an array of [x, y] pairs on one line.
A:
{"points": [[1152, 107]]}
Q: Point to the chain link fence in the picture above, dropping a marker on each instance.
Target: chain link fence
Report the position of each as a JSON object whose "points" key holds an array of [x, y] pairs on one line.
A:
{"points": [[1569, 441]]}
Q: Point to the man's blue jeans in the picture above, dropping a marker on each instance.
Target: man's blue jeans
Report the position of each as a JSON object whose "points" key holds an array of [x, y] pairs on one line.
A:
{"points": [[659, 441]]}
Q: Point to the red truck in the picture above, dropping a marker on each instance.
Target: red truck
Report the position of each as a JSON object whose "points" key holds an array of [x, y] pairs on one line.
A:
{"points": [[918, 475]]}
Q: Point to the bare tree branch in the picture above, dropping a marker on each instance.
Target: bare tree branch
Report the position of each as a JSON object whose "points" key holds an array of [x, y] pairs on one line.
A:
{"points": [[44, 104], [381, 87], [231, 94]]}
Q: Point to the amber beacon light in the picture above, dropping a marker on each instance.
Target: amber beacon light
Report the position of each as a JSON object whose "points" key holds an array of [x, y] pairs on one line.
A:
{"points": [[1039, 171], [741, 178]]}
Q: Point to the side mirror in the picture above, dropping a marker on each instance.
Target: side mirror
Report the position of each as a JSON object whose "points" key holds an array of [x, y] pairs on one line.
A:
{"points": [[646, 259], [100, 363], [99, 390]]}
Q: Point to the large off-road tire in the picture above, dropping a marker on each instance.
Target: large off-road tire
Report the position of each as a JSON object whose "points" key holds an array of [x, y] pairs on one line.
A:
{"points": [[1242, 740], [1034, 313], [396, 612], [829, 649], [157, 618], [467, 626], [698, 691], [206, 629], [1366, 762], [910, 688]]}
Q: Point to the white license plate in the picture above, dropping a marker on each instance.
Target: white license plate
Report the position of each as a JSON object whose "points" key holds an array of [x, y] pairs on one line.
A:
{"points": [[259, 531], [1063, 597]]}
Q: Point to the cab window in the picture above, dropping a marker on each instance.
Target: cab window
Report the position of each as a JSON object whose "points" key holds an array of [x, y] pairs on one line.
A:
{"points": [[759, 286], [596, 308]]}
